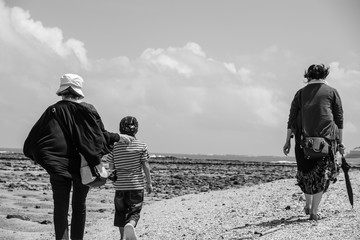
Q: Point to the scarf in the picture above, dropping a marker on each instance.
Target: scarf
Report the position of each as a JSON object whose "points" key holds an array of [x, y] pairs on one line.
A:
{"points": [[318, 81]]}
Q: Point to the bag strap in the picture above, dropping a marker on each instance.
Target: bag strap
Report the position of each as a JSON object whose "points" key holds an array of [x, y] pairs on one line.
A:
{"points": [[301, 130], [62, 126]]}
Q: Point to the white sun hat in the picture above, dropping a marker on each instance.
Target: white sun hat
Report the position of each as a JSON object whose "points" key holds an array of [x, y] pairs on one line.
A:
{"points": [[71, 80]]}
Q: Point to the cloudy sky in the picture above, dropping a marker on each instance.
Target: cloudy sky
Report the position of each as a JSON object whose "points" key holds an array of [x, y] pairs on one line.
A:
{"points": [[204, 76]]}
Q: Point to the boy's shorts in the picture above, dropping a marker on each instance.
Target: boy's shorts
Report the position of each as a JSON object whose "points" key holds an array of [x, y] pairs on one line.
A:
{"points": [[128, 205]]}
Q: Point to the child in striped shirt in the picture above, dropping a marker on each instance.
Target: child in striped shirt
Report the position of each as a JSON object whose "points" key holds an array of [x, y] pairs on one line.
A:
{"points": [[130, 162]]}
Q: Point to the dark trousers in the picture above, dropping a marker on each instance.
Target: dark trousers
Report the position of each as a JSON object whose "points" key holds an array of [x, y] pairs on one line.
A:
{"points": [[128, 205], [61, 188]]}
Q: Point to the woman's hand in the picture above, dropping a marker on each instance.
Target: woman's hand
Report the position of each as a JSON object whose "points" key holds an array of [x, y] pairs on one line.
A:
{"points": [[287, 147], [126, 138]]}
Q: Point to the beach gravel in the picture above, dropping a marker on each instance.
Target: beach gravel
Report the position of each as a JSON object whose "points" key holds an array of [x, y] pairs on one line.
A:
{"points": [[268, 210], [271, 210]]}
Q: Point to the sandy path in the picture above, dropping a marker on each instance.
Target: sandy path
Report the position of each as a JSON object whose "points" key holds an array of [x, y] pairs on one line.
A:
{"points": [[273, 209]]}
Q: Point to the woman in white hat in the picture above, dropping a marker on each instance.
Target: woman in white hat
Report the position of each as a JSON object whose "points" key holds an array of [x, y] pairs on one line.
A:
{"points": [[65, 130]]}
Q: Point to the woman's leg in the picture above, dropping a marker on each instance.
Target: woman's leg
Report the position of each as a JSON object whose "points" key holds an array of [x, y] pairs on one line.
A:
{"points": [[308, 198], [61, 187], [78, 219], [301, 164], [316, 202]]}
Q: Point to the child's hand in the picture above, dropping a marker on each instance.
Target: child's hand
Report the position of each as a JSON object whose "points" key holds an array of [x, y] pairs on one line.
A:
{"points": [[149, 188], [112, 175]]}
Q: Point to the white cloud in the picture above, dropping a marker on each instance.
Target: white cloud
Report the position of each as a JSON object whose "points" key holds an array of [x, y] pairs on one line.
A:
{"points": [[164, 62], [347, 81], [264, 103], [245, 74], [231, 67], [34, 32], [195, 48], [342, 76], [351, 127], [184, 60]]}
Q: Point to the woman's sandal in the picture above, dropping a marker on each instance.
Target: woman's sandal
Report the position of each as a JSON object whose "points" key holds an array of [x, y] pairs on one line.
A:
{"points": [[314, 217]]}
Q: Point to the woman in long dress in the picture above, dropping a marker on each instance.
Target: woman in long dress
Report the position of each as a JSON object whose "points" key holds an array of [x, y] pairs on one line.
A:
{"points": [[316, 111]]}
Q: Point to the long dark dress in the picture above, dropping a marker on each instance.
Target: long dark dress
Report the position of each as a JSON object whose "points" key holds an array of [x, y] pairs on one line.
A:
{"points": [[316, 111]]}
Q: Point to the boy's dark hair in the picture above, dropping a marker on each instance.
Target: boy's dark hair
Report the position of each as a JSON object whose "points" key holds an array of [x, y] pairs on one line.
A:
{"points": [[129, 126], [316, 71]]}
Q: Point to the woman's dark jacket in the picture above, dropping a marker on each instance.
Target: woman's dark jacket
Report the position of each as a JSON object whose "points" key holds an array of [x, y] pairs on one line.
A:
{"points": [[321, 114], [57, 149]]}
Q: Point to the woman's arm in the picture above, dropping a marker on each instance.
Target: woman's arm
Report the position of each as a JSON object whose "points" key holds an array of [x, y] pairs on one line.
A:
{"points": [[292, 121], [339, 119], [341, 145], [337, 111], [340, 136], [287, 145]]}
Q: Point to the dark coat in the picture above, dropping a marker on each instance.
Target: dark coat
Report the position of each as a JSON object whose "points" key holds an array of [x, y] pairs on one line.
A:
{"points": [[56, 149], [316, 111]]}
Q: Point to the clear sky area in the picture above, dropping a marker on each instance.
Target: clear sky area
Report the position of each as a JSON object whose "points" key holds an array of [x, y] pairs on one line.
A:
{"points": [[201, 76]]}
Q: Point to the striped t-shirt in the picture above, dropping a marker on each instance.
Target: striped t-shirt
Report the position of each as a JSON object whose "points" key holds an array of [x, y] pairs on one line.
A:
{"points": [[128, 159]]}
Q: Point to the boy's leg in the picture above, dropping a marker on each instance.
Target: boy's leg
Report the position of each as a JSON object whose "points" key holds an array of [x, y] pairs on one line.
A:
{"points": [[120, 212], [134, 200], [129, 232]]}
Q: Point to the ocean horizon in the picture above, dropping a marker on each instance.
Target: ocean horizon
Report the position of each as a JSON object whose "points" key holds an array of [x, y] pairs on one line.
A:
{"points": [[244, 158]]}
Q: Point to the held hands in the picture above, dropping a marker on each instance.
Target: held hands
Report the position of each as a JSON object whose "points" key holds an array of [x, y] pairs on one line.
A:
{"points": [[342, 149], [112, 175]]}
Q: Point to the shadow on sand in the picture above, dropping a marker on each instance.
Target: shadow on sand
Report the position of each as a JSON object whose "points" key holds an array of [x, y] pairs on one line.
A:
{"points": [[271, 226]]}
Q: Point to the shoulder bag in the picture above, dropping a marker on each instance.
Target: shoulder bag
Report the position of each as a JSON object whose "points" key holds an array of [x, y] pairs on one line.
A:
{"points": [[92, 176], [315, 147]]}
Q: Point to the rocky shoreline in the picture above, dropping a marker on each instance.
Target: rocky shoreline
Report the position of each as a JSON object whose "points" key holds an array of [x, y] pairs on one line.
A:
{"points": [[171, 176], [177, 177]]}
